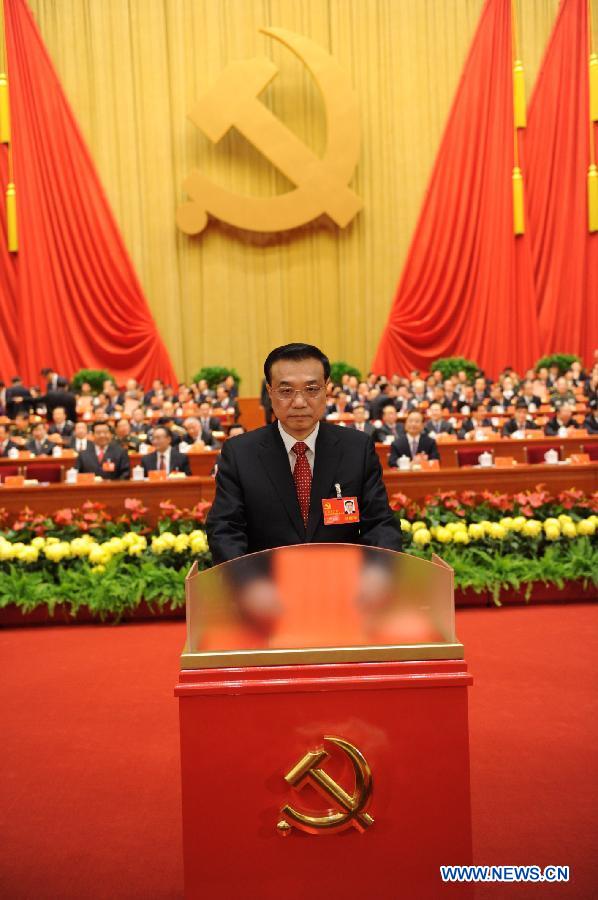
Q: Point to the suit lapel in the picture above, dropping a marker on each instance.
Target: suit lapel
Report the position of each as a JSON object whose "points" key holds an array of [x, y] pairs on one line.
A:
{"points": [[275, 461], [325, 470]]}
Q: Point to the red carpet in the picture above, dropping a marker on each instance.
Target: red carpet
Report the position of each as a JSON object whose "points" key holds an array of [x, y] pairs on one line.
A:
{"points": [[90, 791]]}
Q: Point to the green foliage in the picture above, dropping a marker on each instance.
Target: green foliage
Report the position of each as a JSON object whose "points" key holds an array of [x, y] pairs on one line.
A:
{"points": [[94, 377], [215, 375], [338, 369], [452, 365], [562, 360]]}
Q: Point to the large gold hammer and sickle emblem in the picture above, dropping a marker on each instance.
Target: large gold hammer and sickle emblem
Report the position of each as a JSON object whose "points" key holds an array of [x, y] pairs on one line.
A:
{"points": [[352, 806], [321, 183]]}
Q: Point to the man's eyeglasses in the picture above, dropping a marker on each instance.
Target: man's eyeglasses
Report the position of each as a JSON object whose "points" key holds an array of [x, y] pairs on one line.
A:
{"points": [[311, 392]]}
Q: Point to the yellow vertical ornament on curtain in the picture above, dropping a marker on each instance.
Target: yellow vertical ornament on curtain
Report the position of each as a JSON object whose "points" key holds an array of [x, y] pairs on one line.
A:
{"points": [[519, 112], [519, 121], [518, 209], [593, 117], [4, 110], [11, 218]]}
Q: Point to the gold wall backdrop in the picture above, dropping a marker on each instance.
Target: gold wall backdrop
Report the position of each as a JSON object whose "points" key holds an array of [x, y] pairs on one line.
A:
{"points": [[131, 70]]}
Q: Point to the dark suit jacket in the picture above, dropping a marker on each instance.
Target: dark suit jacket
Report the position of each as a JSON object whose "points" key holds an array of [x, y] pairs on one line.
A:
{"points": [[467, 426], [444, 427], [591, 424], [179, 462], [18, 399], [256, 505], [551, 429], [87, 461], [66, 399], [46, 448], [511, 427], [66, 432], [402, 447], [9, 446]]}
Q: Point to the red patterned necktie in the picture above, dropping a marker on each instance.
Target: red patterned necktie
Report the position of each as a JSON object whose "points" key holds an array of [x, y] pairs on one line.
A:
{"points": [[302, 477], [100, 456]]}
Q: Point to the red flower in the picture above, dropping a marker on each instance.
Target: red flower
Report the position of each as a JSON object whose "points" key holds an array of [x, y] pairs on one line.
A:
{"points": [[64, 516]]}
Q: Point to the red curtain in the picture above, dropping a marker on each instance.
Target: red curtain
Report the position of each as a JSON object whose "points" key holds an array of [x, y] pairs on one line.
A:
{"points": [[79, 303], [565, 254], [467, 285]]}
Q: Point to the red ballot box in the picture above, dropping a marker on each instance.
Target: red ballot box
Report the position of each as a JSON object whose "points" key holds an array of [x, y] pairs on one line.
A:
{"points": [[324, 732]]}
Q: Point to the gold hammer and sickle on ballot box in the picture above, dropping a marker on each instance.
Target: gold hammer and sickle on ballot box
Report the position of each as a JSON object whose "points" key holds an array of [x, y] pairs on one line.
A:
{"points": [[352, 806], [321, 183]]}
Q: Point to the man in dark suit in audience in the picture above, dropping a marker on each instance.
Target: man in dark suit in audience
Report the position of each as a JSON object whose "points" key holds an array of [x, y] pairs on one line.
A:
{"points": [[5, 442], [61, 425], [562, 419], [591, 420], [360, 422], [164, 456], [209, 423], [477, 419], [104, 457], [79, 440], [62, 397], [437, 424], [520, 422], [415, 443], [18, 398], [39, 444], [271, 482], [391, 428]]}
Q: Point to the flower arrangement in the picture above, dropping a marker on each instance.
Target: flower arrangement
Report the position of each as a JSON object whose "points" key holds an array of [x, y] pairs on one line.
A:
{"points": [[87, 557]]}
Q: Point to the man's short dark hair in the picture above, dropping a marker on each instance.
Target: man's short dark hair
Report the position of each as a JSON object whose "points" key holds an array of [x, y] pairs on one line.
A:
{"points": [[61, 382], [106, 424], [296, 352]]}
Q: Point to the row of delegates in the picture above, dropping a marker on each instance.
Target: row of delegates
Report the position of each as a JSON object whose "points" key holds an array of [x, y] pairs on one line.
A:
{"points": [[108, 459]]}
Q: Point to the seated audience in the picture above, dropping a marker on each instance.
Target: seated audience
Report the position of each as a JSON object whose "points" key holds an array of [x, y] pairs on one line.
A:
{"points": [[39, 444], [125, 437], [561, 393], [520, 423], [414, 443], [165, 457], [208, 423], [194, 434], [224, 401], [527, 395], [436, 423], [340, 406], [562, 419], [475, 421], [391, 428], [104, 457], [20, 430]]}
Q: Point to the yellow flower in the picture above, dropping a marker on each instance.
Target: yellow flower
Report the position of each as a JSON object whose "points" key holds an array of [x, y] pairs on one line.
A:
{"points": [[507, 522], [98, 569], [443, 535], [518, 523], [453, 527], [569, 530], [55, 552], [422, 536], [552, 531], [38, 542], [115, 545], [476, 531], [460, 536], [564, 518], [81, 546], [497, 531], [29, 554], [168, 539], [552, 521], [532, 528], [586, 526], [405, 525], [158, 545], [417, 525], [181, 543], [99, 554], [138, 546], [52, 540], [199, 543], [6, 551]]}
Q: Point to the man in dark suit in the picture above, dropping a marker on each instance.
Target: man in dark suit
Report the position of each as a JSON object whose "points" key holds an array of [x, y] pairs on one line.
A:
{"points": [[39, 444], [165, 456], [436, 424], [391, 428], [415, 443], [360, 422], [79, 440], [62, 397], [208, 423], [562, 419], [271, 481], [5, 442], [476, 419], [61, 425], [18, 398], [520, 422], [104, 457], [590, 422]]}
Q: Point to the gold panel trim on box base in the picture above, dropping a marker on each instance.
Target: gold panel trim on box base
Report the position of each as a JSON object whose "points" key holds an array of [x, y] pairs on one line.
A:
{"points": [[316, 655]]}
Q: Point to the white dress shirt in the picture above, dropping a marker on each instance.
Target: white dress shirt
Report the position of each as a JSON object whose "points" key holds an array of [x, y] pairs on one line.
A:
{"points": [[290, 441]]}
